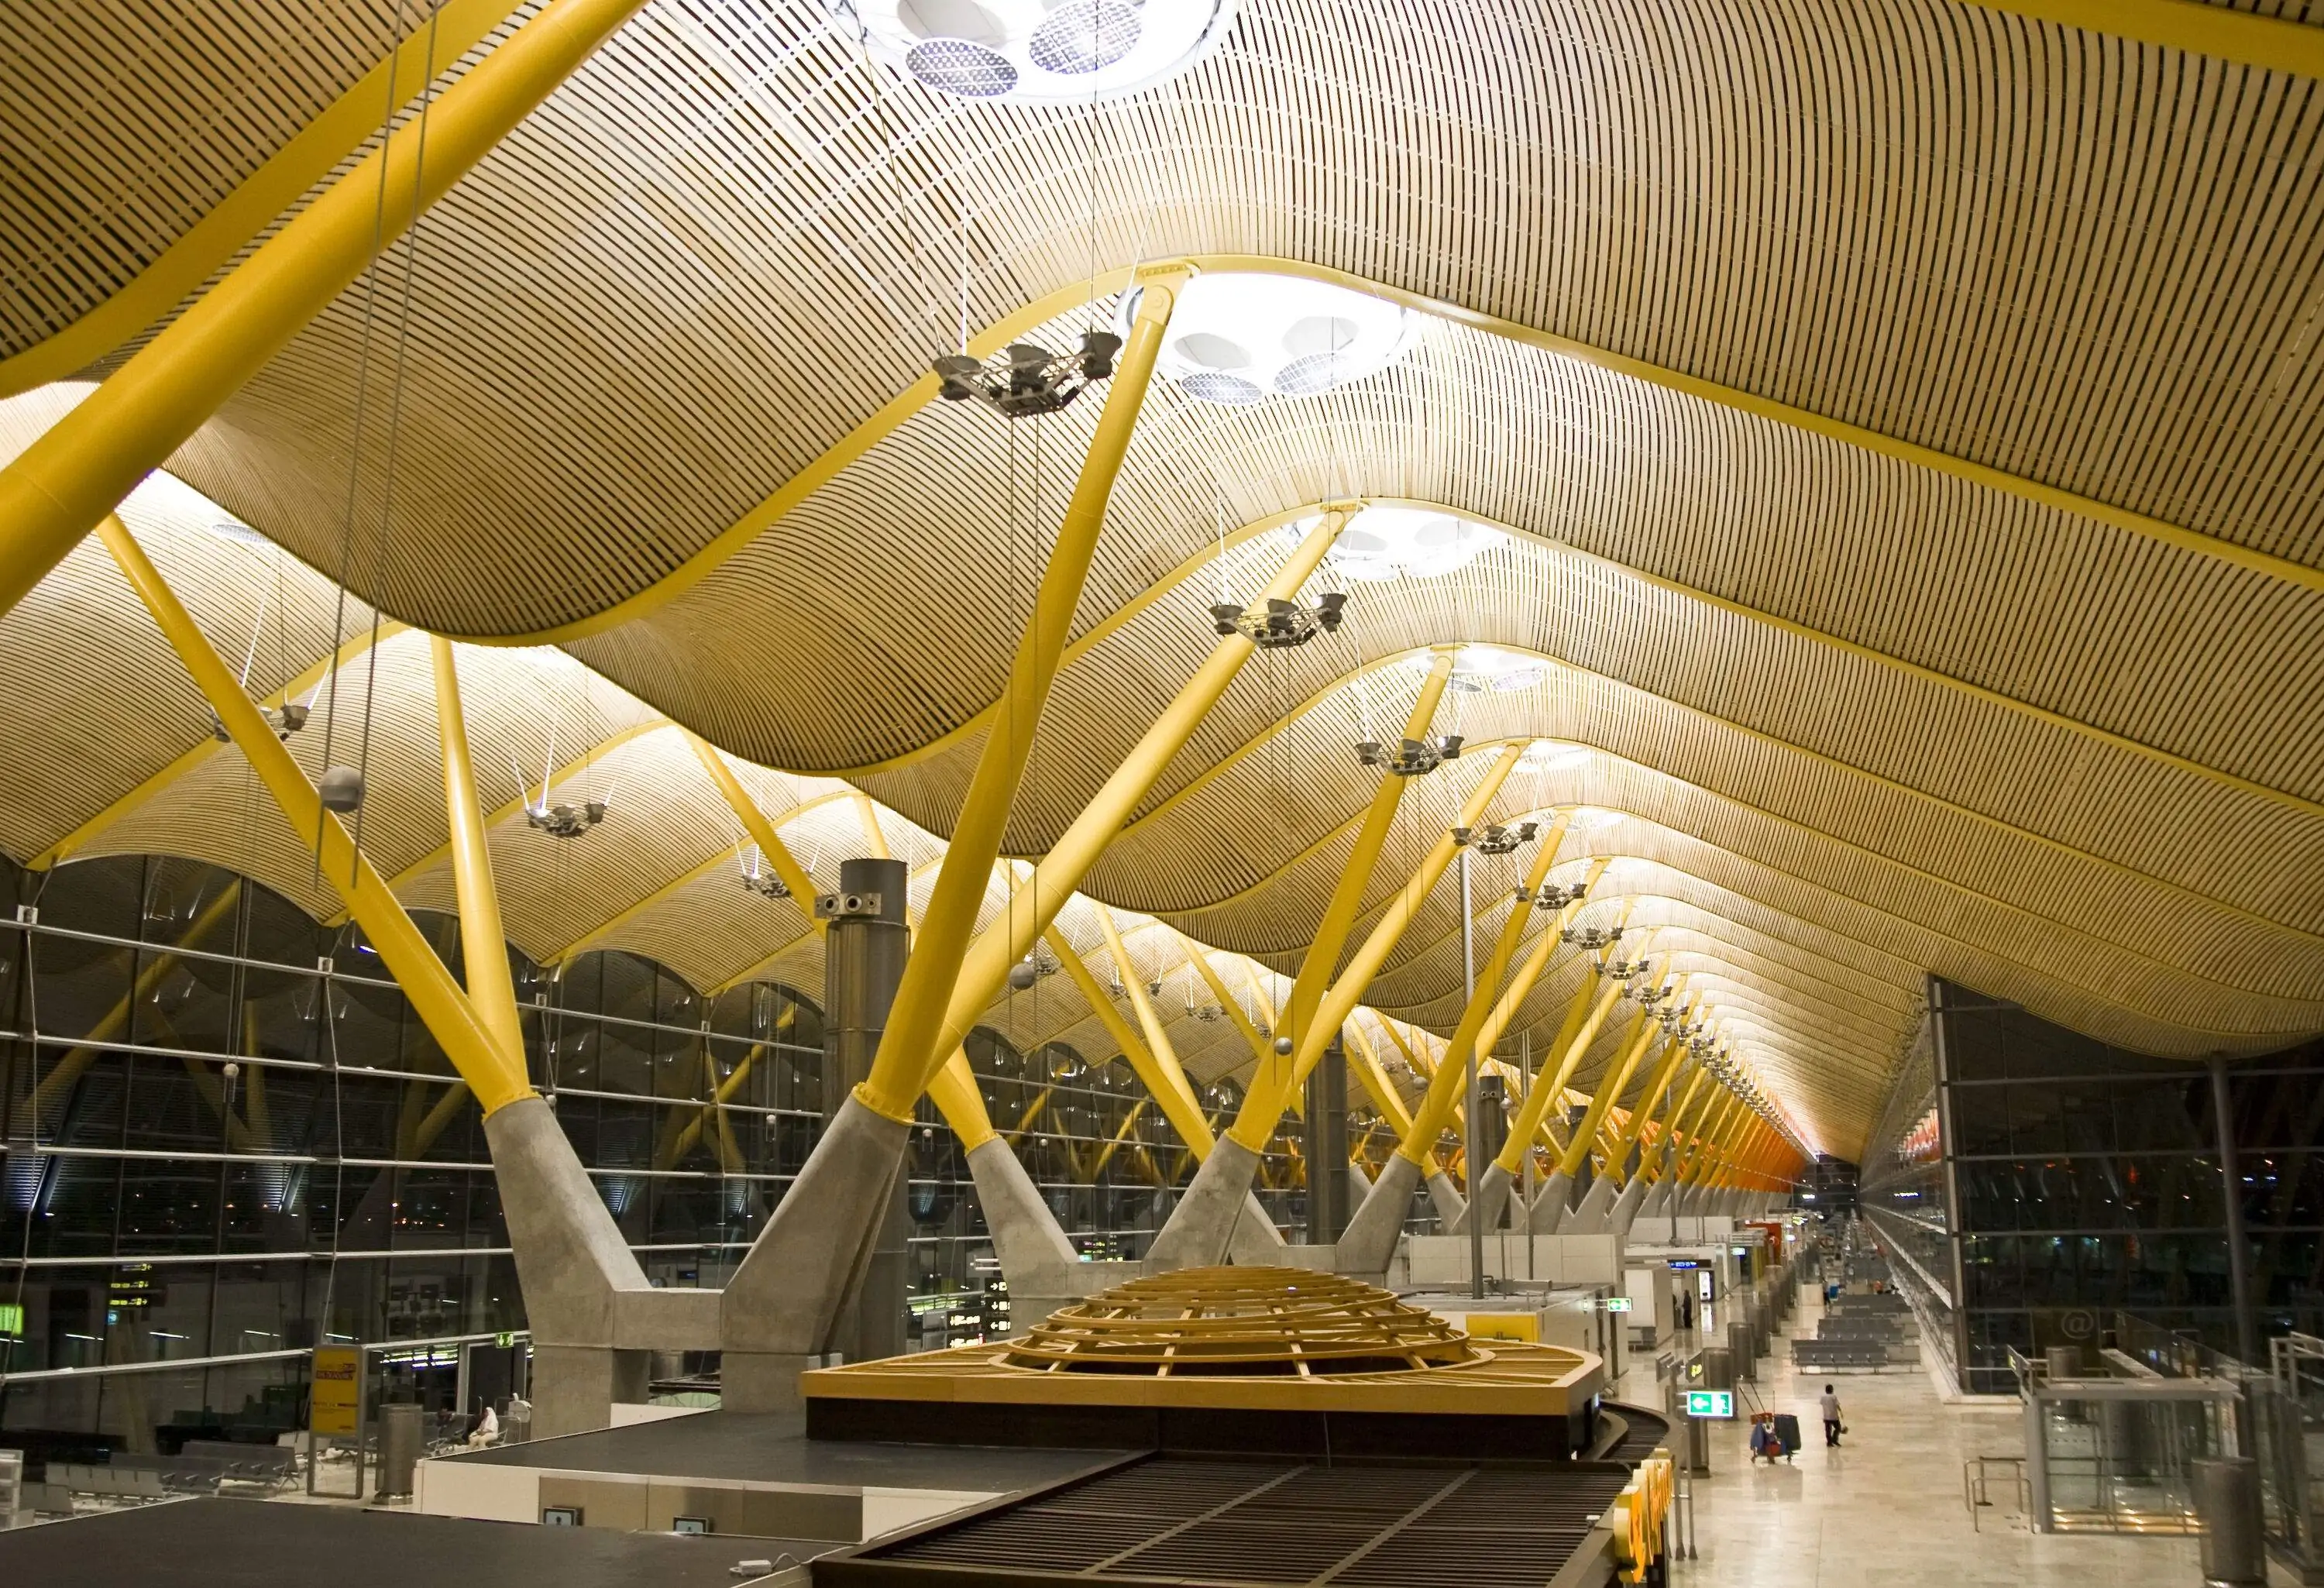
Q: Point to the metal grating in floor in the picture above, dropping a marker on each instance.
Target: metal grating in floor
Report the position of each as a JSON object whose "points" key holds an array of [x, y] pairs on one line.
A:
{"points": [[1245, 1524]]}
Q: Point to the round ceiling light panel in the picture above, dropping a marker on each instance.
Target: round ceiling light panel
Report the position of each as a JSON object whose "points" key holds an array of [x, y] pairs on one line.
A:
{"points": [[1238, 337], [1409, 542], [1027, 53]]}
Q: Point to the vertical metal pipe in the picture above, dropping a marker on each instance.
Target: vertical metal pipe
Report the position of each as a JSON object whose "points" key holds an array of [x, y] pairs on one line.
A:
{"points": [[1476, 1138], [867, 942], [2231, 1187]]}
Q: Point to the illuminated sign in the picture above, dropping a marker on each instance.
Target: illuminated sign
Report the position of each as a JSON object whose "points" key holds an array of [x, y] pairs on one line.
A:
{"points": [[1684, 1262], [1711, 1403], [336, 1400], [12, 1318], [1618, 1304]]}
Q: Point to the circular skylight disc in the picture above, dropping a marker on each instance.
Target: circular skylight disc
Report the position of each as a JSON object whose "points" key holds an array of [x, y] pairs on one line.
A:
{"points": [[962, 68], [1073, 53]]}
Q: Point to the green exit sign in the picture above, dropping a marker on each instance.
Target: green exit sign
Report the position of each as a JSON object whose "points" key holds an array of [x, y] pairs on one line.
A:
{"points": [[1711, 1403], [12, 1318]]}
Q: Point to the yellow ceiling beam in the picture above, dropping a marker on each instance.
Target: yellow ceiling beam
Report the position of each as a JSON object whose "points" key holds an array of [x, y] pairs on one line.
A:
{"points": [[456, 27], [484, 945], [2246, 38], [82, 466], [730, 542]]}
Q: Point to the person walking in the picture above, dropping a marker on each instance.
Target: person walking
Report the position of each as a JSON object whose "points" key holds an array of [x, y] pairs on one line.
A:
{"points": [[1832, 1427]]}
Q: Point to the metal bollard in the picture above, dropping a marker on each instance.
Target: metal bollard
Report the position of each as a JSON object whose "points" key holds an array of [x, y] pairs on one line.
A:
{"points": [[2234, 1537]]}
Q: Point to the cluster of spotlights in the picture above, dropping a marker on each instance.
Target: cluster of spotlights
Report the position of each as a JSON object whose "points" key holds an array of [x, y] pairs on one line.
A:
{"points": [[1496, 838], [1590, 938], [1413, 757], [1028, 379], [1551, 896], [285, 720], [565, 819], [1278, 624]]}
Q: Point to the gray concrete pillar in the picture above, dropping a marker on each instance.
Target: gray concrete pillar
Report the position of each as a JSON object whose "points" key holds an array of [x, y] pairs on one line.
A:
{"points": [[1588, 1217], [1446, 1196], [1326, 1147], [1627, 1206], [1548, 1215], [866, 940], [1492, 1194], [1368, 1242], [1201, 1230]]}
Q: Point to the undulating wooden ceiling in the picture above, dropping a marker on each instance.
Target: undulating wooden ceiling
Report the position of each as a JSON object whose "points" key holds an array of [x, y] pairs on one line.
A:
{"points": [[1901, 421]]}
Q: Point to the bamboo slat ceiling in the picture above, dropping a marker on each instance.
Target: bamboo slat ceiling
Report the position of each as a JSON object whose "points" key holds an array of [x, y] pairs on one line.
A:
{"points": [[2018, 679]]}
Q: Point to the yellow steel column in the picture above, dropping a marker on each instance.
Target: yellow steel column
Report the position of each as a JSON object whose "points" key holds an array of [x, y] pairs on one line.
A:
{"points": [[1271, 1081], [1356, 980], [1376, 1082], [1446, 1087], [1608, 1090], [1540, 1097], [959, 978], [496, 1078], [772, 847], [1674, 1055], [62, 484], [1665, 1162], [483, 949], [1156, 1039], [1178, 1100]]}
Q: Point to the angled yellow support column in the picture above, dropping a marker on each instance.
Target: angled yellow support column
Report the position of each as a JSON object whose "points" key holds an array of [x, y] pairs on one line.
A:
{"points": [[1446, 1087], [1177, 1099], [1375, 1081], [1596, 1209], [1649, 1098], [1271, 1086], [437, 999], [484, 947], [1664, 1160], [772, 847], [1156, 1039], [1352, 982], [984, 968], [1203, 1228], [61, 487], [1608, 1093]]}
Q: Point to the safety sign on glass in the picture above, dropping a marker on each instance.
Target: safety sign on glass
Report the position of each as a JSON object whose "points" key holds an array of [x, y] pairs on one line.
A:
{"points": [[337, 1399]]}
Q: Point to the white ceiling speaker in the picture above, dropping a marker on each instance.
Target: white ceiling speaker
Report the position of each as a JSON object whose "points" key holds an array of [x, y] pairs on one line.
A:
{"points": [[1238, 337], [1027, 51]]}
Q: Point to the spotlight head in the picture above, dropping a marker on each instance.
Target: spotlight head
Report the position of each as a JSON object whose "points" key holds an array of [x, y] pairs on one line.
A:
{"points": [[1098, 350], [1225, 615], [1450, 747], [290, 718], [1369, 752], [1526, 830], [956, 375], [594, 811], [1461, 836], [1330, 608]]}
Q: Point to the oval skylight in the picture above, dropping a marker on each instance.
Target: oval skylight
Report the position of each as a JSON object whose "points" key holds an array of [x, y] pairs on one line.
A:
{"points": [[1414, 542], [1024, 51], [1239, 338], [1478, 669]]}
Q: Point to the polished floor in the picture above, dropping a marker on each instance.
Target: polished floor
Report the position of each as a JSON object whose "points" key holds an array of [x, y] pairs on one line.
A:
{"points": [[1886, 1509]]}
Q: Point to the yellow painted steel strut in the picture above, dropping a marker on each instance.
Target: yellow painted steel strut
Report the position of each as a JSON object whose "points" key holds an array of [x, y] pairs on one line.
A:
{"points": [[1356, 980], [1272, 1083], [483, 952], [954, 1088], [917, 1028], [1452, 1077], [497, 1078], [1539, 1098], [78, 471], [1674, 1056], [1609, 1090], [1178, 1102], [916, 1032], [985, 966], [1227, 1002], [1655, 1169], [1151, 1023]]}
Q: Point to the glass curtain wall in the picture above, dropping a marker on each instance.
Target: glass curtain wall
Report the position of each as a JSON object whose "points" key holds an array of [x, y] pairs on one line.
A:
{"points": [[2084, 1180], [1902, 1197], [227, 1140]]}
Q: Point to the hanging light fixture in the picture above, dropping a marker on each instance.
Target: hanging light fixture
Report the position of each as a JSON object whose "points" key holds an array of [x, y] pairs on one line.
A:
{"points": [[1279, 624], [761, 878], [1495, 838], [1028, 379], [1413, 757]]}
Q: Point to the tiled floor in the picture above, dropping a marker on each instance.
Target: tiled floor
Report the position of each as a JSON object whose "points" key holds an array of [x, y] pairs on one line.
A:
{"points": [[1885, 1511]]}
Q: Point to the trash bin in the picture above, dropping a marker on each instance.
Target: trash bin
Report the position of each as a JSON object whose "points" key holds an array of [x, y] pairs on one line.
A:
{"points": [[399, 1446], [2234, 1539]]}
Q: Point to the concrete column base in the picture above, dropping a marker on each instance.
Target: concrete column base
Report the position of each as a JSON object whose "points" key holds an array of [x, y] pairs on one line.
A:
{"points": [[1256, 1241], [765, 1380], [1359, 1183], [1201, 1230], [1625, 1211], [1446, 1196], [1548, 1215], [1369, 1240], [1492, 1195], [1588, 1218], [808, 1263], [574, 1387]]}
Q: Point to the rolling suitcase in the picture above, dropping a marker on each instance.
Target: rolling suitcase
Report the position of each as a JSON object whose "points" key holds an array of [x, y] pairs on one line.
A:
{"points": [[1787, 1429]]}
